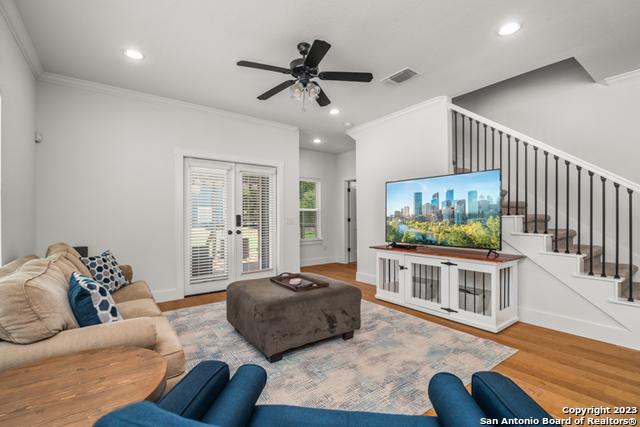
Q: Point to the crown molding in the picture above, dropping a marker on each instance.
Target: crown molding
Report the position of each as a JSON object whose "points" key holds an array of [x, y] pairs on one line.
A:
{"points": [[11, 15], [60, 80], [630, 75], [357, 129]]}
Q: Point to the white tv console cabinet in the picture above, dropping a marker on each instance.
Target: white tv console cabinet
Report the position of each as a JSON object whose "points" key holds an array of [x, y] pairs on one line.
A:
{"points": [[462, 285]]}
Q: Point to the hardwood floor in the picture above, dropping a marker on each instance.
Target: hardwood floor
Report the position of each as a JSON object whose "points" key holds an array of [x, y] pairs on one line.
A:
{"points": [[556, 369]]}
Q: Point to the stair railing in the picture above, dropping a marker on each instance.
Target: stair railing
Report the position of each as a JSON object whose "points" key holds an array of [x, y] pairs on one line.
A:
{"points": [[463, 144]]}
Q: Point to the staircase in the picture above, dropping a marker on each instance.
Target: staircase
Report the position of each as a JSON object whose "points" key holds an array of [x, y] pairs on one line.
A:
{"points": [[572, 219]]}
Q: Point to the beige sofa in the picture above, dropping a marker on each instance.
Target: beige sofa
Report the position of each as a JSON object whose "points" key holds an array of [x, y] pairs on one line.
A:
{"points": [[36, 320]]}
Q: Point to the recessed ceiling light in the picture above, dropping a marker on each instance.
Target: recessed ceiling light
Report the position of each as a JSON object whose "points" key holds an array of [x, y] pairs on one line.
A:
{"points": [[334, 111], [509, 28], [317, 140], [347, 124], [133, 54]]}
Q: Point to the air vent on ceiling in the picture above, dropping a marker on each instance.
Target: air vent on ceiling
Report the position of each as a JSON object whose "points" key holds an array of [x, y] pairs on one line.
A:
{"points": [[401, 76]]}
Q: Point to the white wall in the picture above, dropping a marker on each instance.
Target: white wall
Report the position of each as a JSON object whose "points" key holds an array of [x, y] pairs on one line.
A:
{"points": [[106, 172], [17, 93], [332, 170], [410, 143], [562, 106]]}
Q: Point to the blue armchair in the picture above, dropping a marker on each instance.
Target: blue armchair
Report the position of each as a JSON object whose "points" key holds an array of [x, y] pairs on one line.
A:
{"points": [[207, 397]]}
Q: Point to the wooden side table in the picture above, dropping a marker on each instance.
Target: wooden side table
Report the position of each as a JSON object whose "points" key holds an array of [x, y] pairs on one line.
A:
{"points": [[78, 389]]}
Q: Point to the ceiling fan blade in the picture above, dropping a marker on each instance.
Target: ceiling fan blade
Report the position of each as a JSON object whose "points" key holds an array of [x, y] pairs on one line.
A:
{"points": [[318, 50], [282, 86], [264, 67], [323, 100], [345, 76]]}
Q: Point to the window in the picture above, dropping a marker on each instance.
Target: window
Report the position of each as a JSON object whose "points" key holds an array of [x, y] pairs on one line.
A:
{"points": [[310, 210]]}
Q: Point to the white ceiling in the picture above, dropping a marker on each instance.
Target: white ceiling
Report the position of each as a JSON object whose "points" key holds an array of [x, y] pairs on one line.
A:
{"points": [[191, 48]]}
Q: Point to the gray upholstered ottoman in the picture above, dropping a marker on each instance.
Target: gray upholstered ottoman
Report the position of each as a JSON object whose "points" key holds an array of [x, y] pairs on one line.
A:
{"points": [[276, 319]]}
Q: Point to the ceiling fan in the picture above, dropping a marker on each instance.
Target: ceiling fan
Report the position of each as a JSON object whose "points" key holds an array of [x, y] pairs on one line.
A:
{"points": [[304, 70]]}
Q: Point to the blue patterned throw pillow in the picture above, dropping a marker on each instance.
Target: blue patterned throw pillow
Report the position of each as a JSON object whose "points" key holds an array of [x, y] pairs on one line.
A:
{"points": [[91, 302], [105, 269]]}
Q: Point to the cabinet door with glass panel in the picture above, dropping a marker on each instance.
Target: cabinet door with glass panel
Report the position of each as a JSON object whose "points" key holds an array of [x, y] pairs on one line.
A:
{"points": [[426, 282]]}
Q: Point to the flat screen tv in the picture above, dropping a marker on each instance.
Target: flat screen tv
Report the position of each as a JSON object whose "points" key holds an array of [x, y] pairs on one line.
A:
{"points": [[461, 210]]}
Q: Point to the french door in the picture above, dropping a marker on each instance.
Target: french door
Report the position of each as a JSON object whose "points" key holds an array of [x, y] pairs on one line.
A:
{"points": [[230, 223]]}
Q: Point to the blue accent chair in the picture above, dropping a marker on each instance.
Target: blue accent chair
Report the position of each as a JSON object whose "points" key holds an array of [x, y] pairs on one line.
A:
{"points": [[208, 397]]}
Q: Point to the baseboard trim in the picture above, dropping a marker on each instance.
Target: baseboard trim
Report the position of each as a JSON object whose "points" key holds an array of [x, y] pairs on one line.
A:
{"points": [[366, 278], [582, 328], [317, 261]]}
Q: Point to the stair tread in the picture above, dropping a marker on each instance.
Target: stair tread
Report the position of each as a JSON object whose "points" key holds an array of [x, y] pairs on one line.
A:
{"points": [[562, 232], [610, 269], [513, 203], [584, 249], [461, 170], [624, 290], [538, 218]]}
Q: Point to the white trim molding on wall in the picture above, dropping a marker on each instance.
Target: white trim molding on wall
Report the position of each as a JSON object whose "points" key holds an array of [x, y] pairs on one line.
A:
{"points": [[624, 77], [14, 21], [357, 129], [180, 156]]}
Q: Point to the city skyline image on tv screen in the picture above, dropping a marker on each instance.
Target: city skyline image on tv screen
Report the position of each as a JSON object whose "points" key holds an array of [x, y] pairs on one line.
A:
{"points": [[453, 210]]}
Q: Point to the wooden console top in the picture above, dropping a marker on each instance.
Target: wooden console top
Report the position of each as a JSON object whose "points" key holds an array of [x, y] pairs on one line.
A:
{"points": [[470, 254]]}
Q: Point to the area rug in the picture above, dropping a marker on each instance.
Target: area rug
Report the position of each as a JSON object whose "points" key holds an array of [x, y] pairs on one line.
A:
{"points": [[386, 367]]}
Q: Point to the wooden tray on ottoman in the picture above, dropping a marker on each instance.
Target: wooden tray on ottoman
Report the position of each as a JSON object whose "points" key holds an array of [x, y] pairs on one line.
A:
{"points": [[308, 282]]}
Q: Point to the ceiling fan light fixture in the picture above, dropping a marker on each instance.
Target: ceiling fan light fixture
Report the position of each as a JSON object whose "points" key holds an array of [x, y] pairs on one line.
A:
{"points": [[297, 90], [313, 90]]}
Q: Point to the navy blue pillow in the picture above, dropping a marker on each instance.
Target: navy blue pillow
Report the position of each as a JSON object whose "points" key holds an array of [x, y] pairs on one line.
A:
{"points": [[91, 302]]}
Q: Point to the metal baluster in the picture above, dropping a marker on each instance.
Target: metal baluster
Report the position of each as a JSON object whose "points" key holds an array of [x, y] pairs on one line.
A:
{"points": [[535, 190], [566, 249], [579, 168], [546, 192], [493, 148], [508, 174], [590, 223], [526, 187], [555, 238], [463, 156], [604, 228], [630, 298], [501, 174], [485, 146], [517, 176], [455, 139], [617, 187], [470, 144], [477, 145]]}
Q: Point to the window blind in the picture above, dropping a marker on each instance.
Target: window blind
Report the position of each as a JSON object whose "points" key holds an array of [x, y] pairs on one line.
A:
{"points": [[208, 209], [258, 220]]}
